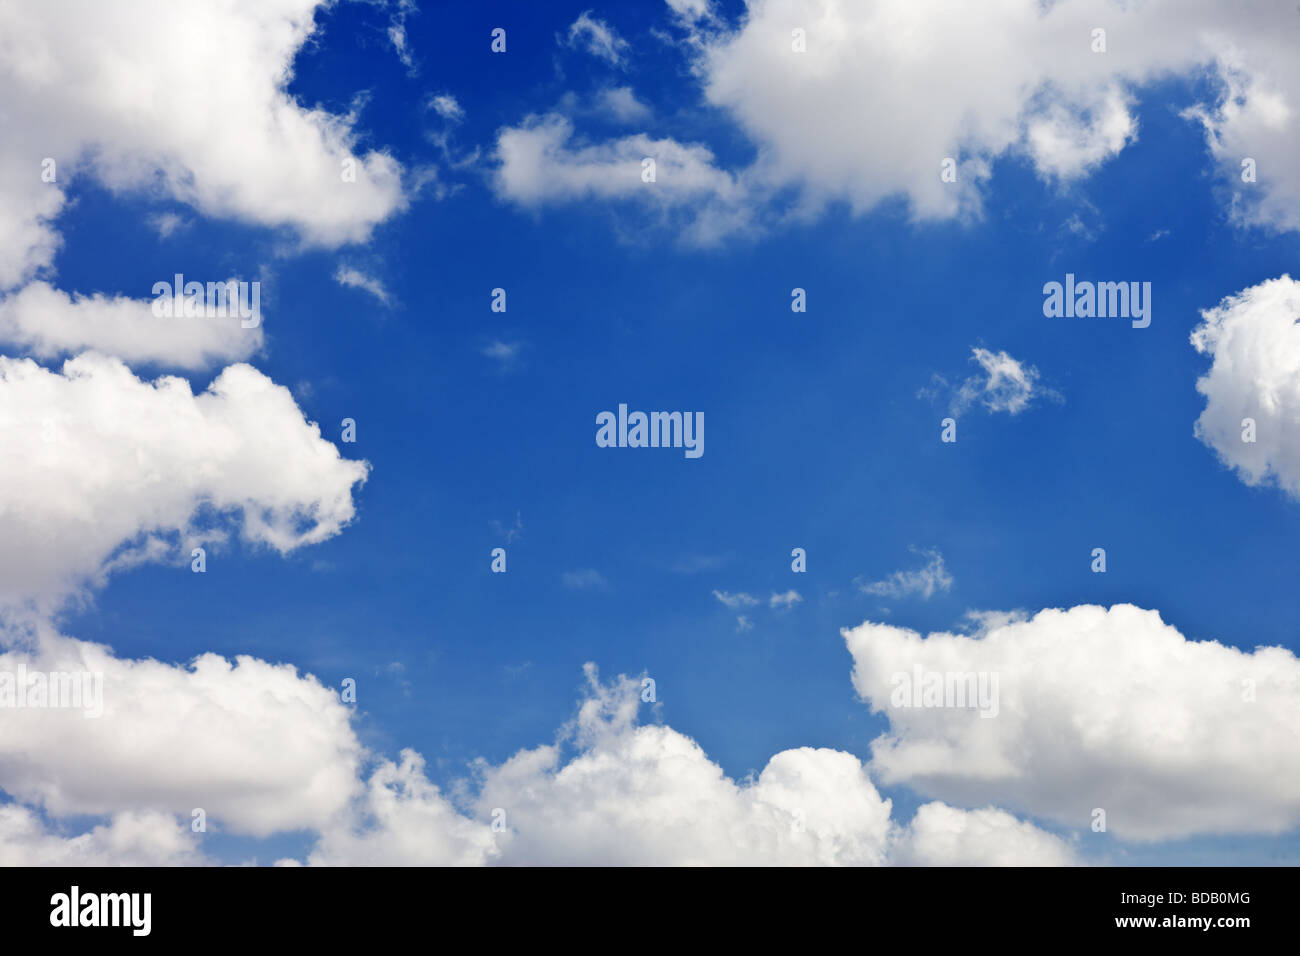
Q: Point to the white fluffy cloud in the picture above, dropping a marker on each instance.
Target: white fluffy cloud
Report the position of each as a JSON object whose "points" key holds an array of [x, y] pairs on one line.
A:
{"points": [[118, 99], [49, 323], [129, 839], [255, 745], [885, 92], [103, 470], [1098, 708], [941, 835], [107, 470], [541, 163], [649, 795], [403, 820], [1253, 338], [116, 470], [644, 795]]}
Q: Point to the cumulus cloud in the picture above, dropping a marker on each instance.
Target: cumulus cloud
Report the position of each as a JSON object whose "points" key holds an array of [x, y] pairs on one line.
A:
{"points": [[611, 791], [541, 163], [941, 835], [403, 820], [1253, 340], [117, 98], [48, 323], [1098, 708], [128, 839], [175, 737], [1257, 117], [967, 83], [106, 470], [922, 582], [117, 470], [94, 94], [977, 83]]}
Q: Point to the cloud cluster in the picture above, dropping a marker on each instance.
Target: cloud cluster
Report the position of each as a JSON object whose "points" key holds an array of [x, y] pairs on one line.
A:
{"points": [[646, 794], [129, 839], [92, 93], [863, 103], [103, 469]]}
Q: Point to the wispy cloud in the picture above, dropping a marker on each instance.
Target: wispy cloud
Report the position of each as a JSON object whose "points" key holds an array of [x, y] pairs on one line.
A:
{"points": [[785, 601], [922, 582], [584, 580], [446, 106], [397, 35], [695, 563], [166, 223], [505, 354], [356, 279], [509, 533], [1002, 384], [598, 38], [620, 103], [740, 599]]}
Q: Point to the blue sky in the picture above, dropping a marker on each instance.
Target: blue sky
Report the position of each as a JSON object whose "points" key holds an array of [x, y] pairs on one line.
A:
{"points": [[822, 428]]}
